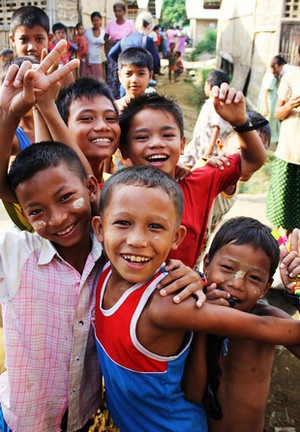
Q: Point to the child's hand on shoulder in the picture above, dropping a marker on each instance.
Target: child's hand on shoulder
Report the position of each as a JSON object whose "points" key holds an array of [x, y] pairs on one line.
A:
{"points": [[219, 161], [183, 281], [181, 171], [230, 104]]}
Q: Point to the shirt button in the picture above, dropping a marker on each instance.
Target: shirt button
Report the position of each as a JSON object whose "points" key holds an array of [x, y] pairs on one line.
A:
{"points": [[81, 323], [77, 358], [73, 391]]}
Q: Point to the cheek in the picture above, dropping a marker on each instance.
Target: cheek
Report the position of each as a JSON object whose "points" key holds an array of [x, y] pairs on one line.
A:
{"points": [[79, 203], [38, 226]]}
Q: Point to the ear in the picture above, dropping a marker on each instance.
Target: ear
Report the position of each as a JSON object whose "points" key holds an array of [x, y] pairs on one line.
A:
{"points": [[267, 287], [119, 74], [182, 143], [98, 228], [205, 263], [220, 145], [50, 37], [93, 188], [178, 237], [12, 38], [150, 76]]}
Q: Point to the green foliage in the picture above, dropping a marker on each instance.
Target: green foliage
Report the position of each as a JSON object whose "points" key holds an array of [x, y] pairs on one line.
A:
{"points": [[173, 13], [208, 44]]}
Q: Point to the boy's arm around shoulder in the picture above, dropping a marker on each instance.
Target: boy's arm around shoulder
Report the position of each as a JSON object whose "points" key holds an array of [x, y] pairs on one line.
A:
{"points": [[264, 309], [230, 105], [223, 321]]}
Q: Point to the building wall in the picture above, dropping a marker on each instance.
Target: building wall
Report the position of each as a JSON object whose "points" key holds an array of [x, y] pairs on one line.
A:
{"points": [[199, 28], [248, 35]]}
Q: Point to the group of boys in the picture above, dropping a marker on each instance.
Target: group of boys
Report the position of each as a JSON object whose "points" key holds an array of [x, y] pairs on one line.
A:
{"points": [[53, 281]]}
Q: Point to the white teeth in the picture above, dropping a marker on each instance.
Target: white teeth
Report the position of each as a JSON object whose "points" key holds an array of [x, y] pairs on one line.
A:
{"points": [[157, 157], [100, 140], [134, 258], [66, 231]]}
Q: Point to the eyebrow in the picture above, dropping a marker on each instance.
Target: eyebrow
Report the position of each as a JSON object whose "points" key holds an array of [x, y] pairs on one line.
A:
{"points": [[163, 129], [252, 268]]}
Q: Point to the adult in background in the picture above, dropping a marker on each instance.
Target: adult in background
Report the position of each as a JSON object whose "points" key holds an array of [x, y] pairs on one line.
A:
{"points": [[116, 30], [140, 38], [95, 38], [283, 202]]}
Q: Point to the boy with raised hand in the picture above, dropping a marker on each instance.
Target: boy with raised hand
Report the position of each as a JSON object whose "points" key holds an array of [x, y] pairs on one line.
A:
{"points": [[142, 339], [152, 134], [240, 263]]}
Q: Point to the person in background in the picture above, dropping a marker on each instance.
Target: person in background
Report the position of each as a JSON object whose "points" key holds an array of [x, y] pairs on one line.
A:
{"points": [[6, 55], [209, 125], [115, 31], [95, 38], [60, 32], [83, 48], [178, 66], [29, 32], [279, 66]]}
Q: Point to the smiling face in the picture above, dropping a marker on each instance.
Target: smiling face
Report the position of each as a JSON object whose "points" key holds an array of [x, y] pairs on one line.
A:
{"points": [[57, 203], [30, 41], [134, 79], [241, 270], [94, 126], [154, 140], [138, 240]]}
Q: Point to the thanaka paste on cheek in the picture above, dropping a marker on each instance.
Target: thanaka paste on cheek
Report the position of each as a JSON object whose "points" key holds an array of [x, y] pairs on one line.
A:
{"points": [[38, 225], [77, 204]]}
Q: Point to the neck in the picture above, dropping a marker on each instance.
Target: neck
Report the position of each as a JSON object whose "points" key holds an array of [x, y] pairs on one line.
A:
{"points": [[121, 20], [98, 168], [76, 255]]}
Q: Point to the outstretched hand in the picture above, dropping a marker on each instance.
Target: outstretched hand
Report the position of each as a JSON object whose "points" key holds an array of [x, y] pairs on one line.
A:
{"points": [[290, 261], [22, 85], [230, 104]]}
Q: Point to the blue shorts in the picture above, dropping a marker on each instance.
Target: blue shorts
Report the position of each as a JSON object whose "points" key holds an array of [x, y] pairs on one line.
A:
{"points": [[3, 425]]}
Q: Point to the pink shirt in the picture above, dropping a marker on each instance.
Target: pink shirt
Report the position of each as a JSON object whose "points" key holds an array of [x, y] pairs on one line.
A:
{"points": [[51, 358], [118, 31]]}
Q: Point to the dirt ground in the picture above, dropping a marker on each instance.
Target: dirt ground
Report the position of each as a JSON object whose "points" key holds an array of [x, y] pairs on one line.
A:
{"points": [[283, 409]]}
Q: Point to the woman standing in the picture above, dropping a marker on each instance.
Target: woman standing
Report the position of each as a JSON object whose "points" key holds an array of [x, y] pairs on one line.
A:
{"points": [[115, 31], [95, 38], [283, 203]]}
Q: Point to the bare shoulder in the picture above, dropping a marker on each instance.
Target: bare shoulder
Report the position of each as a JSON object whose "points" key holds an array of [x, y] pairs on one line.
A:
{"points": [[263, 308]]}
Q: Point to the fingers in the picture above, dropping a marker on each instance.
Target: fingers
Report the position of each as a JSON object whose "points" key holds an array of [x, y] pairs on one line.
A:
{"points": [[62, 72], [294, 240], [20, 73], [227, 94], [53, 56], [218, 162]]}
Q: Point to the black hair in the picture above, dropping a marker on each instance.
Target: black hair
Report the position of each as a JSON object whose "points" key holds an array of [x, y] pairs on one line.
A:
{"points": [[278, 59], [79, 24], [96, 14], [146, 177], [120, 5], [59, 26], [246, 230], [178, 53], [41, 156], [148, 101], [29, 16], [217, 77], [85, 87], [255, 118], [136, 56], [16, 60]]}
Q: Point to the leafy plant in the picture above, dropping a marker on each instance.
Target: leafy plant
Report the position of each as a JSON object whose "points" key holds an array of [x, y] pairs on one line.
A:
{"points": [[208, 44]]}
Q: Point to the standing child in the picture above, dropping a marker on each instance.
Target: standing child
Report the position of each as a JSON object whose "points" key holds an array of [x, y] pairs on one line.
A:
{"points": [[178, 66], [83, 48], [172, 60], [152, 134], [59, 31], [209, 126], [142, 339], [95, 38], [52, 374], [241, 262]]}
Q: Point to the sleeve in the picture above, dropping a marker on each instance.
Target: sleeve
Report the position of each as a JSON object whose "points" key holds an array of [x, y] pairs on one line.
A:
{"points": [[15, 248], [115, 51]]}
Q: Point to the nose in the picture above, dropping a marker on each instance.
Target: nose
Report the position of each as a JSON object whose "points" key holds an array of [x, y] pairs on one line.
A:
{"points": [[57, 217], [237, 280], [137, 239], [156, 142], [101, 124], [30, 47]]}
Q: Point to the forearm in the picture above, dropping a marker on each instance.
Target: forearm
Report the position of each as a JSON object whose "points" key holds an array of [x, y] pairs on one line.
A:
{"points": [[8, 126], [41, 131], [283, 111], [253, 153]]}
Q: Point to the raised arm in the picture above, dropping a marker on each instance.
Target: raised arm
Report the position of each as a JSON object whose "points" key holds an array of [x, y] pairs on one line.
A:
{"points": [[230, 105]]}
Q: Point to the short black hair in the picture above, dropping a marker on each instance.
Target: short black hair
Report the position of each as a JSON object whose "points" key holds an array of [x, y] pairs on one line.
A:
{"points": [[255, 118], [16, 60], [120, 5], [41, 156], [148, 101], [29, 16], [96, 14], [216, 77], [278, 59], [59, 26], [84, 87], [136, 56], [246, 230], [148, 177]]}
